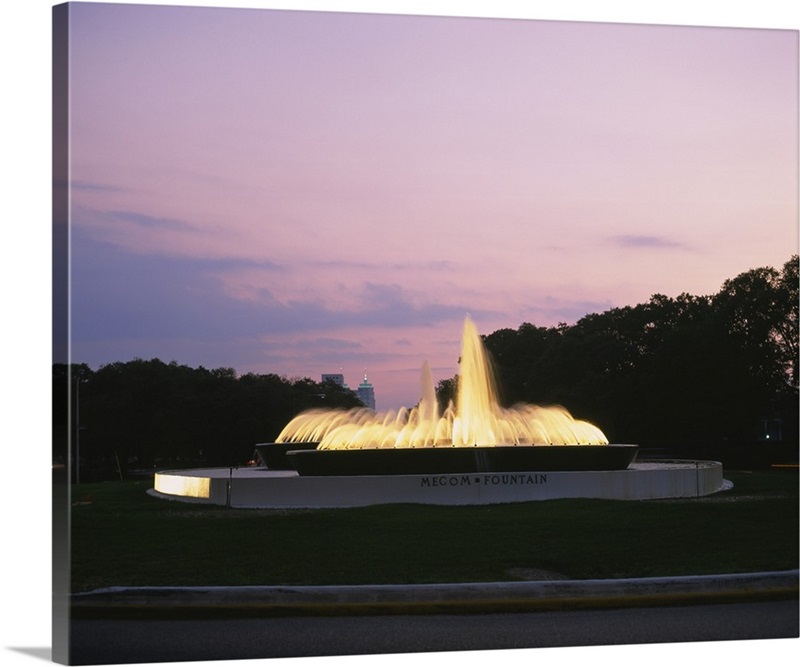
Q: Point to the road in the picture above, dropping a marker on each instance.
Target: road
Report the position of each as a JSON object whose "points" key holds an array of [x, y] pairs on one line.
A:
{"points": [[138, 641]]}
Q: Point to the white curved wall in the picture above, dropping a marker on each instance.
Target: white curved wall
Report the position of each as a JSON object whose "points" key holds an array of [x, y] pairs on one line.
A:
{"points": [[259, 487]]}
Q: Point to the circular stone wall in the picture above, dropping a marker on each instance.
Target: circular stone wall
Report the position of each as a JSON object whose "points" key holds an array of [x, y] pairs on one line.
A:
{"points": [[264, 488]]}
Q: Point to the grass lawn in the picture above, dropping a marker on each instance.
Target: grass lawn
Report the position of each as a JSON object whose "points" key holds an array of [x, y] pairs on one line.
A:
{"points": [[121, 536]]}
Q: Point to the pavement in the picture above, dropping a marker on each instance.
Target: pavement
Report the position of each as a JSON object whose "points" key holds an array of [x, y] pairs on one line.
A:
{"points": [[437, 598]]}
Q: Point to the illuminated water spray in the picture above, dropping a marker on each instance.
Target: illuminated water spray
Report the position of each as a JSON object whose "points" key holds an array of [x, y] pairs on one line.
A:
{"points": [[475, 419]]}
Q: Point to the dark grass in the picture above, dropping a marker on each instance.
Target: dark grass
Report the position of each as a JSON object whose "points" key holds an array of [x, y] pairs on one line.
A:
{"points": [[121, 536]]}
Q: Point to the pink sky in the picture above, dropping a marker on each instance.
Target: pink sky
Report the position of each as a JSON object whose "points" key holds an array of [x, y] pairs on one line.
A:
{"points": [[303, 193]]}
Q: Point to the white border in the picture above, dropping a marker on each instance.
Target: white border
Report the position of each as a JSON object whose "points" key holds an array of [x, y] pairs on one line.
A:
{"points": [[25, 263]]}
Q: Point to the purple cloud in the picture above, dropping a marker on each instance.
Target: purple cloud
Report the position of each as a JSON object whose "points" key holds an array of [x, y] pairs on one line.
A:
{"points": [[644, 241]]}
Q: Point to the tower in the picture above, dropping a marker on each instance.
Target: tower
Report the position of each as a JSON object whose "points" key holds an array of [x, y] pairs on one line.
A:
{"points": [[366, 392]]}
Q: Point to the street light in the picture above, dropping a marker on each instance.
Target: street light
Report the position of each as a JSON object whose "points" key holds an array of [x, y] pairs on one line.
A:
{"points": [[78, 381]]}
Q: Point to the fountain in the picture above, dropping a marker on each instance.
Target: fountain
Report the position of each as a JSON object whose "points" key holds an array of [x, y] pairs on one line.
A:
{"points": [[474, 452], [473, 434]]}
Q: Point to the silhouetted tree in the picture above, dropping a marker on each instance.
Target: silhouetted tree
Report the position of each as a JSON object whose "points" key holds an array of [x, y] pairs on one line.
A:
{"points": [[689, 369], [145, 413], [446, 392]]}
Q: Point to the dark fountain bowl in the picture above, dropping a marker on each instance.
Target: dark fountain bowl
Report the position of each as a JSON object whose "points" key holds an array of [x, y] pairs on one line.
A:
{"points": [[273, 454], [443, 460]]}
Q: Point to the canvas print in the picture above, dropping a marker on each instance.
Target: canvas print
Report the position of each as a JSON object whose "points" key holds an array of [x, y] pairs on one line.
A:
{"points": [[390, 334]]}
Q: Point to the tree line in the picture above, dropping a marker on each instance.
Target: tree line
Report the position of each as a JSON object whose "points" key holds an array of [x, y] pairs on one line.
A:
{"points": [[133, 416], [691, 369]]}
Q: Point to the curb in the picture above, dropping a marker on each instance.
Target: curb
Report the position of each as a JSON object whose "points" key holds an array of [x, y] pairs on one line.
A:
{"points": [[438, 598]]}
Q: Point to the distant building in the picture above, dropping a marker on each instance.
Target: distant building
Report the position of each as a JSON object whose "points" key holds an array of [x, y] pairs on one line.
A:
{"points": [[338, 378], [366, 392]]}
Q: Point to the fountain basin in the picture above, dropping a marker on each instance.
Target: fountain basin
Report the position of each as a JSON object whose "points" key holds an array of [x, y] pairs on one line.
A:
{"points": [[273, 454], [439, 460], [259, 487]]}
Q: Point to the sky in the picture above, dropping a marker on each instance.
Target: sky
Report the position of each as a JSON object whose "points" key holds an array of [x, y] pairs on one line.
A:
{"points": [[301, 192]]}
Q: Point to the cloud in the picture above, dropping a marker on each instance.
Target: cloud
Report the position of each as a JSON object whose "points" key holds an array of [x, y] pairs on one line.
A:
{"points": [[351, 265], [333, 343], [644, 241], [88, 186], [551, 310], [149, 221], [118, 294], [392, 305]]}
